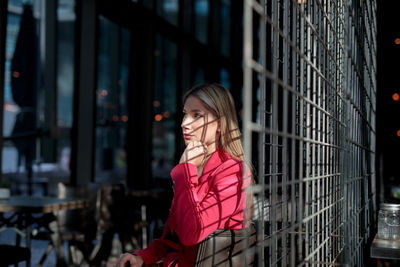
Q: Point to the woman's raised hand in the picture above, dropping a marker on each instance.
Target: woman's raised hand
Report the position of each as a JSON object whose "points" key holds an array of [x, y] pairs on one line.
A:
{"points": [[194, 153], [130, 260]]}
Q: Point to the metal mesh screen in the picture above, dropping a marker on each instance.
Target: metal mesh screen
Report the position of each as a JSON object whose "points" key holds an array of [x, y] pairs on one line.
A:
{"points": [[309, 128]]}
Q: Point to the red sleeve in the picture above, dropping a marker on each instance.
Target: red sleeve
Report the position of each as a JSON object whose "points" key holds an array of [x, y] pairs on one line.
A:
{"points": [[158, 249], [197, 218], [154, 252]]}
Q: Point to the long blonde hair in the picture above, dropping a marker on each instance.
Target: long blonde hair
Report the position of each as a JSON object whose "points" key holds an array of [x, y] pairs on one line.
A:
{"points": [[220, 102]]}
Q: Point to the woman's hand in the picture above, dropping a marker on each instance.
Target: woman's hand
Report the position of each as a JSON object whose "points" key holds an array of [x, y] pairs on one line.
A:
{"points": [[194, 153], [128, 259]]}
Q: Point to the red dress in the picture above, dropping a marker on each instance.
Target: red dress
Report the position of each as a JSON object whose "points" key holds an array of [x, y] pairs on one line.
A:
{"points": [[215, 200]]}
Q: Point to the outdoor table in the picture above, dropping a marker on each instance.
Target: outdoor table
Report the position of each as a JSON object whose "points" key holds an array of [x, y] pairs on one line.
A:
{"points": [[22, 209]]}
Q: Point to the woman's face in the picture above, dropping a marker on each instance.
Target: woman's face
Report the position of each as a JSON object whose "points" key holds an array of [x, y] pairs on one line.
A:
{"points": [[199, 123]]}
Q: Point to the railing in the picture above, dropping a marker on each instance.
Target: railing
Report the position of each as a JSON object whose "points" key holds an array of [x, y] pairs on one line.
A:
{"points": [[309, 128]]}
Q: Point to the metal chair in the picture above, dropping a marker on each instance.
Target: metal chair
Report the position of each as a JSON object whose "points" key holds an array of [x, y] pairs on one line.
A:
{"points": [[76, 227], [231, 248], [115, 214]]}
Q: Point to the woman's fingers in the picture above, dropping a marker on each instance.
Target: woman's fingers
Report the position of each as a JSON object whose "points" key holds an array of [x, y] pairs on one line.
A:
{"points": [[128, 259], [194, 153]]}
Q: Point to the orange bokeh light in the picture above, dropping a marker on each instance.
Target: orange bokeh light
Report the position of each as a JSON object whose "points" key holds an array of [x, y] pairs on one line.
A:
{"points": [[104, 93], [166, 114], [124, 118], [158, 117], [11, 108], [156, 103], [397, 41], [15, 74], [398, 133], [396, 97]]}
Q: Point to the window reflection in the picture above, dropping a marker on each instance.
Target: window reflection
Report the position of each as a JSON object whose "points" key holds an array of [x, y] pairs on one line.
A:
{"points": [[25, 102], [10, 110], [168, 9], [20, 102], [65, 61], [201, 12], [112, 106], [66, 18], [13, 23], [164, 108]]}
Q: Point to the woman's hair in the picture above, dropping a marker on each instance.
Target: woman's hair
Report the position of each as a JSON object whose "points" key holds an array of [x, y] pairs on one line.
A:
{"points": [[220, 102]]}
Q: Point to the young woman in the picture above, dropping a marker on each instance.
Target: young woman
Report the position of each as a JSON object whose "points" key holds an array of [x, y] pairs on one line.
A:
{"points": [[209, 180]]}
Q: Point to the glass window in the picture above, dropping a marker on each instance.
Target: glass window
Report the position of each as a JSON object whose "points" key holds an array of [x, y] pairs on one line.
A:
{"points": [[10, 109], [65, 61], [20, 90], [24, 98], [66, 18], [112, 105], [164, 108], [199, 76], [224, 78], [169, 10], [225, 22], [13, 24], [201, 12]]}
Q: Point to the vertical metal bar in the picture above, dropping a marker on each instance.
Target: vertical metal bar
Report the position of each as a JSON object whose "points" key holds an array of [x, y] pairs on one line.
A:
{"points": [[310, 233], [273, 183], [294, 229], [247, 96], [284, 149], [48, 49], [3, 36], [262, 138], [247, 101], [302, 202], [82, 155]]}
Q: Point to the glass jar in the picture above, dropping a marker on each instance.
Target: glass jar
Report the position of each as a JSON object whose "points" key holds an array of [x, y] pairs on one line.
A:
{"points": [[389, 221]]}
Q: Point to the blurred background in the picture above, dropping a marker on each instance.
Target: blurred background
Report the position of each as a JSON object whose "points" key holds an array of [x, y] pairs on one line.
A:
{"points": [[105, 82]]}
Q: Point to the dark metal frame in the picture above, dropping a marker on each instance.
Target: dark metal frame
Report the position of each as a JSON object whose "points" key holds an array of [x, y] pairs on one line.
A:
{"points": [[311, 130], [3, 33]]}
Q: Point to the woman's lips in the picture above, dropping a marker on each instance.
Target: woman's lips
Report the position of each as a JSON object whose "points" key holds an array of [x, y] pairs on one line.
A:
{"points": [[187, 136]]}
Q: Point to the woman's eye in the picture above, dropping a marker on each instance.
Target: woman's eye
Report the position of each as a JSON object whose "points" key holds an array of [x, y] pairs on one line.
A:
{"points": [[196, 115]]}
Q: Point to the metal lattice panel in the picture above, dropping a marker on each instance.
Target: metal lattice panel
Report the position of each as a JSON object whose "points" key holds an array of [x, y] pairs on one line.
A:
{"points": [[309, 128]]}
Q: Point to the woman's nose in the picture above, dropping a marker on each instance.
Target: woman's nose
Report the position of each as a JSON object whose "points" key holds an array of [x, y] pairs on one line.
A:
{"points": [[185, 123]]}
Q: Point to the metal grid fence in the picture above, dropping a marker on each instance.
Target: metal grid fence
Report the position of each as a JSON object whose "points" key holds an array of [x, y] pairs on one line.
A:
{"points": [[309, 128]]}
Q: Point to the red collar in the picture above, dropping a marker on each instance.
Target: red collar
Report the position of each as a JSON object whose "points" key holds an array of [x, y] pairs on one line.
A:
{"points": [[216, 159]]}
